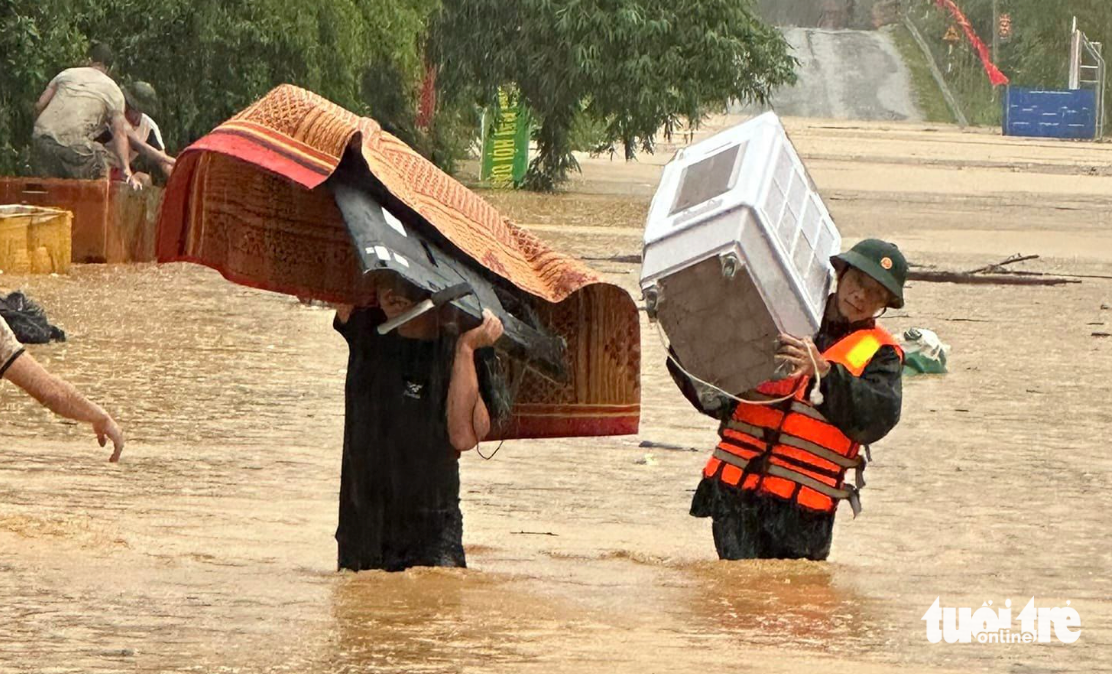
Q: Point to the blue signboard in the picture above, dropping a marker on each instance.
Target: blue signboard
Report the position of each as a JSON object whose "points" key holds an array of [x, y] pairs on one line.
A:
{"points": [[1050, 114]]}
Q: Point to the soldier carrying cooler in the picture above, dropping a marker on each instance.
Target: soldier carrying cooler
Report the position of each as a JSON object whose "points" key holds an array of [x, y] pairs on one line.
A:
{"points": [[776, 478]]}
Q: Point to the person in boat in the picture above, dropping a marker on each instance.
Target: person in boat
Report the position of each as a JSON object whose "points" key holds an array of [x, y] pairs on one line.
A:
{"points": [[78, 106], [143, 135]]}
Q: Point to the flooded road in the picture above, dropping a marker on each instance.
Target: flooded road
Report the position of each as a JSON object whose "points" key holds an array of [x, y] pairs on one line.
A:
{"points": [[209, 547], [845, 74]]}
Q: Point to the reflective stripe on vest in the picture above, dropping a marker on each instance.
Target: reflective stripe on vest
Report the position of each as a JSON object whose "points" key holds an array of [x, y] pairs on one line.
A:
{"points": [[849, 493], [790, 450], [816, 449]]}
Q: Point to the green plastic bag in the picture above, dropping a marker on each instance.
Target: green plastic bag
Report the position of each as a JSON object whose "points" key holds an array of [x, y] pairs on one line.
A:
{"points": [[924, 352]]}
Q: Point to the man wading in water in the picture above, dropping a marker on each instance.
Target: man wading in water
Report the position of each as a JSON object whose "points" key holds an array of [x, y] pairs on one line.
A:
{"points": [[413, 404], [776, 478]]}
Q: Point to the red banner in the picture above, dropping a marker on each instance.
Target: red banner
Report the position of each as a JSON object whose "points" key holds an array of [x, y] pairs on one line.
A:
{"points": [[994, 75], [426, 104]]}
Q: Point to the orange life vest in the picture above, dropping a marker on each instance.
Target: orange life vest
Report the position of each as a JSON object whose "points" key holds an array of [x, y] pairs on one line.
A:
{"points": [[789, 450]]}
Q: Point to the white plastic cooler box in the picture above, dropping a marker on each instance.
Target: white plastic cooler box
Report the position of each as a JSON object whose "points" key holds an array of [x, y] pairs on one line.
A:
{"points": [[737, 249]]}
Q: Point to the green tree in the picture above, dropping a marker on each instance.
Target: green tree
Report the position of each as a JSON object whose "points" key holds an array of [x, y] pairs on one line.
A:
{"points": [[1038, 53], [208, 59], [631, 67], [34, 38]]}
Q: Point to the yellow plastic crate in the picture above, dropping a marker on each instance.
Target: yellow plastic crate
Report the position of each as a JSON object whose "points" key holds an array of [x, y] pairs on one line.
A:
{"points": [[35, 239]]}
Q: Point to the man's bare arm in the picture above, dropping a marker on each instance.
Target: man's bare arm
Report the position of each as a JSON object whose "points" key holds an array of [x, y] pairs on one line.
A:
{"points": [[468, 416], [45, 99], [463, 401], [120, 144], [142, 147], [64, 400]]}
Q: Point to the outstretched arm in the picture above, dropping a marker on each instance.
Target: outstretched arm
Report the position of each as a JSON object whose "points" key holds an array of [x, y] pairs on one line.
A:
{"points": [[63, 399], [141, 146]]}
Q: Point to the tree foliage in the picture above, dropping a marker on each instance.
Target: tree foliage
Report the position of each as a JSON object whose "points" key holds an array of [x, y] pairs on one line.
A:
{"points": [[1038, 53], [210, 58], [620, 69], [633, 67]]}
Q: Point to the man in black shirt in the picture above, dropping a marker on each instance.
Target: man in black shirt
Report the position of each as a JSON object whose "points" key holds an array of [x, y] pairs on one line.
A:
{"points": [[412, 407]]}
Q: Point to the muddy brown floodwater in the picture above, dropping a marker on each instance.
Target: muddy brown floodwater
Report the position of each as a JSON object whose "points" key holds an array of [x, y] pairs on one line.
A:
{"points": [[209, 547]]}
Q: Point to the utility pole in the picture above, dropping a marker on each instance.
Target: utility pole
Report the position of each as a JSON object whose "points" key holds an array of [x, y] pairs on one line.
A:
{"points": [[995, 39]]}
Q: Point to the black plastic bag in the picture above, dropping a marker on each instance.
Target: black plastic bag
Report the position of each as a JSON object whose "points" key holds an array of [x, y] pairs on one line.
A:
{"points": [[28, 320]]}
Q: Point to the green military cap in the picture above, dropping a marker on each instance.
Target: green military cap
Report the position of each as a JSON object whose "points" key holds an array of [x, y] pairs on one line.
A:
{"points": [[141, 96], [880, 260]]}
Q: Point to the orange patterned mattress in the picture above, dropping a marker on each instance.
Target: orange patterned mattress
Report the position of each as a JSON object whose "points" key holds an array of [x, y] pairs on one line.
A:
{"points": [[247, 200]]}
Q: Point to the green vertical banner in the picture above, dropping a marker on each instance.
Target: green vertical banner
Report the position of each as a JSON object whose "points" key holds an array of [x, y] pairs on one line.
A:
{"points": [[506, 145]]}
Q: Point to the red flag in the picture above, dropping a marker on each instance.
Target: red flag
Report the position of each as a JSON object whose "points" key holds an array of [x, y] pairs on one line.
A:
{"points": [[994, 75]]}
